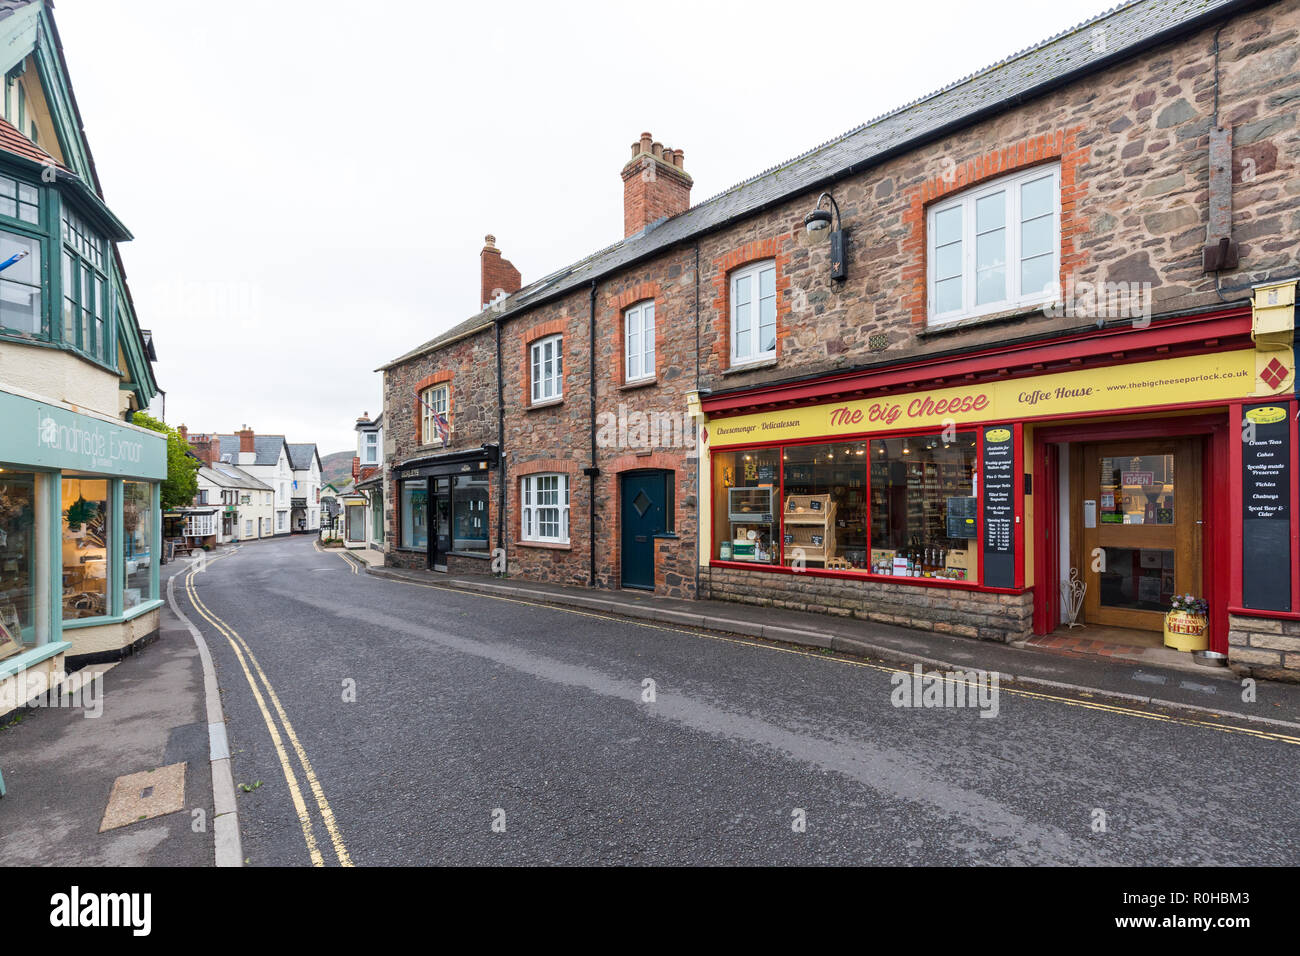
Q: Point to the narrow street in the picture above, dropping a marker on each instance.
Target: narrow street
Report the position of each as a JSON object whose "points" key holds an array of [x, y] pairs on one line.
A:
{"points": [[409, 719]]}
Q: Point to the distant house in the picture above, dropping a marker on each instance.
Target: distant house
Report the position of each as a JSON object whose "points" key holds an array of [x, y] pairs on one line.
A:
{"points": [[304, 503]]}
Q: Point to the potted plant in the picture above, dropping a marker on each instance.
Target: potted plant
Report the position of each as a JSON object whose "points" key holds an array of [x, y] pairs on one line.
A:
{"points": [[1187, 625]]}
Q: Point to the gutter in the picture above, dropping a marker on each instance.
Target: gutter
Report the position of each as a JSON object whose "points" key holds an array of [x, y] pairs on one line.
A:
{"points": [[501, 449], [592, 472]]}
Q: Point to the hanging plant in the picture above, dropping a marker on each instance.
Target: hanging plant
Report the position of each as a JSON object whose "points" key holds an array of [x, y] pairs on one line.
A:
{"points": [[79, 512]]}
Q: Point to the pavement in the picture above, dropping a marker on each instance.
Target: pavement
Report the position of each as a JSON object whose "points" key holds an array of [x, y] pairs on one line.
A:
{"points": [[61, 764], [1187, 686]]}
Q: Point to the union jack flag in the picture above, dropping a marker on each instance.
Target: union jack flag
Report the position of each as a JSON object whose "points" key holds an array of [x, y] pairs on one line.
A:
{"points": [[439, 422]]}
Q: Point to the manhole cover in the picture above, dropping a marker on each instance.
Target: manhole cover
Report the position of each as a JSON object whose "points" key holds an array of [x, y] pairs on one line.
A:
{"points": [[142, 796]]}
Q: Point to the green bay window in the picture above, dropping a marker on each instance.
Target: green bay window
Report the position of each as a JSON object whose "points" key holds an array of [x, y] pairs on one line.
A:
{"points": [[85, 290]]}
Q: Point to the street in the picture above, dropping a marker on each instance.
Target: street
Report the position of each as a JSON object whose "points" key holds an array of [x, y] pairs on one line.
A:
{"points": [[379, 722]]}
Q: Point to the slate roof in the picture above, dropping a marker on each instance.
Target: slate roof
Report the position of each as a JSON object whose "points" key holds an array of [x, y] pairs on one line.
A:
{"points": [[1067, 56], [266, 448], [228, 476], [301, 454]]}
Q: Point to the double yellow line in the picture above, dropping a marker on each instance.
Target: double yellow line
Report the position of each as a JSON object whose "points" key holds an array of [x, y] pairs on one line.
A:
{"points": [[245, 654], [342, 553]]}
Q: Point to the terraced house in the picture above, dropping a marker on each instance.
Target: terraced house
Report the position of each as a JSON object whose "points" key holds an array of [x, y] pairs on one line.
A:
{"points": [[79, 483], [1016, 355]]}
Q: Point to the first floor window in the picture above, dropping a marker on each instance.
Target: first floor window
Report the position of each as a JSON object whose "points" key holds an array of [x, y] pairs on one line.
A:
{"points": [[137, 542], [545, 513], [753, 313], [639, 341], [995, 246], [546, 359], [20, 285], [435, 424], [372, 447]]}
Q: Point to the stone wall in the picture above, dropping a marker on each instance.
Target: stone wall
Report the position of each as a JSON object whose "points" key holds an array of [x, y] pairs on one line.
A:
{"points": [[1264, 647], [944, 610]]}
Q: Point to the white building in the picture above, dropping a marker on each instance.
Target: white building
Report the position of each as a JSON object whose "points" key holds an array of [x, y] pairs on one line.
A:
{"points": [[266, 458], [243, 507], [304, 515]]}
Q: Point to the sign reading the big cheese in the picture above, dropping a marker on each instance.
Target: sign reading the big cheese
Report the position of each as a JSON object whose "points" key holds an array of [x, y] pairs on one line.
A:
{"points": [[1196, 378]]}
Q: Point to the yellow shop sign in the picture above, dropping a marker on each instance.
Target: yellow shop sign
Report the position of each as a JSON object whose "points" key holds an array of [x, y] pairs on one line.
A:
{"points": [[1191, 379]]}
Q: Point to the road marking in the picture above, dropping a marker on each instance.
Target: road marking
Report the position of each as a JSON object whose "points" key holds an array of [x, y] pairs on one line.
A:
{"points": [[327, 814], [885, 668]]}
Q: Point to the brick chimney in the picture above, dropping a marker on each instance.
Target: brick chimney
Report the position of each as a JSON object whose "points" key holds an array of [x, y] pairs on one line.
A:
{"points": [[498, 274], [184, 433], [654, 185], [207, 448], [247, 450]]}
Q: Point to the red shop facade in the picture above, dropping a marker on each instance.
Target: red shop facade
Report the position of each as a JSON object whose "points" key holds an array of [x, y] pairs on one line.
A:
{"points": [[1012, 492]]}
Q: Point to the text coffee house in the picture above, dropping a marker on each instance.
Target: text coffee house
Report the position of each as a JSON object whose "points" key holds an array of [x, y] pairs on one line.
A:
{"points": [[998, 494]]}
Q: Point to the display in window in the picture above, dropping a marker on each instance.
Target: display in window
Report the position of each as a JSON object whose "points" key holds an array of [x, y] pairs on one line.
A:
{"points": [[17, 560], [745, 523], [923, 506], [825, 512], [469, 513], [137, 542], [85, 548]]}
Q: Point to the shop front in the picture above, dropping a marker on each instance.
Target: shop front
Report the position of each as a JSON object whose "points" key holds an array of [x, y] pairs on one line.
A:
{"points": [[80, 536], [1009, 494], [443, 504]]}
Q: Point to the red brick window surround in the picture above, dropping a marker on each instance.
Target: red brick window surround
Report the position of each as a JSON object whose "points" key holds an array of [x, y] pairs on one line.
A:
{"points": [[1059, 147], [540, 331], [635, 299], [775, 249], [437, 378]]}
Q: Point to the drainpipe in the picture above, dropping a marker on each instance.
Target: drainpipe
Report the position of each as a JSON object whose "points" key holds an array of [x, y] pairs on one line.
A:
{"points": [[501, 447], [698, 486], [592, 472]]}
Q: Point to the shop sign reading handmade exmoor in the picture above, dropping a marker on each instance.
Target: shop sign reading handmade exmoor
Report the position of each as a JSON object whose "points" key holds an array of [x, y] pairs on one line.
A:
{"points": [[1192, 379], [46, 436]]}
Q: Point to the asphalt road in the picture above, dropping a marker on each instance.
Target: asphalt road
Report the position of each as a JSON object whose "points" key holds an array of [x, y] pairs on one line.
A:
{"points": [[444, 727]]}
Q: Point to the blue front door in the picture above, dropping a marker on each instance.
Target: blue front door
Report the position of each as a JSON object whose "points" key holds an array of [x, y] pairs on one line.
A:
{"points": [[646, 501]]}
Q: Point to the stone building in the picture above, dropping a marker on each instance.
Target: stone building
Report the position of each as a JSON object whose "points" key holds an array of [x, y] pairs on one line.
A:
{"points": [[1023, 343]]}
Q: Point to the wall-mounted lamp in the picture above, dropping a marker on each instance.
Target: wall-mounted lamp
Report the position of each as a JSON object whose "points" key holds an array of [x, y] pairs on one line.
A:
{"points": [[818, 224]]}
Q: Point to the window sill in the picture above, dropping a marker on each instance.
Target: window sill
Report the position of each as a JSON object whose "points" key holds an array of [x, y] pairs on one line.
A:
{"points": [[639, 383], [750, 366], [978, 321], [549, 403], [548, 545], [42, 652]]}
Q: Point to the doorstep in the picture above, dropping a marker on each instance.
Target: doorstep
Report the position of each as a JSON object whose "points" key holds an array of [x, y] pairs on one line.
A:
{"points": [[1193, 687]]}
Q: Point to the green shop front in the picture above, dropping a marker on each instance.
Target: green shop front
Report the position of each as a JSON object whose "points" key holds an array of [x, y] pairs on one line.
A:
{"points": [[80, 536]]}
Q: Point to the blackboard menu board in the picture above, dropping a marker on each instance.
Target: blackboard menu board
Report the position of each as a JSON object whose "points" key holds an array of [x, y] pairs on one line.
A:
{"points": [[1266, 508], [998, 487], [962, 515]]}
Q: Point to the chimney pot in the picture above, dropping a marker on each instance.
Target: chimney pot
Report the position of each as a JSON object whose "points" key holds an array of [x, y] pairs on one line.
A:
{"points": [[655, 186]]}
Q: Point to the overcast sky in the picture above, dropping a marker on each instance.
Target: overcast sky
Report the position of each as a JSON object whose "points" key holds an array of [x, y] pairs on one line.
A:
{"points": [[309, 183]]}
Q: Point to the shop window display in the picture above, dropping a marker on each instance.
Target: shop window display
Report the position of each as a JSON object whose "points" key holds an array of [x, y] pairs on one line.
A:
{"points": [[745, 521], [415, 514], [85, 548], [17, 561], [923, 506], [824, 516], [137, 542], [469, 513]]}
